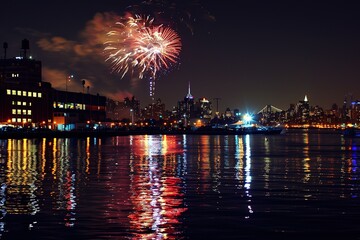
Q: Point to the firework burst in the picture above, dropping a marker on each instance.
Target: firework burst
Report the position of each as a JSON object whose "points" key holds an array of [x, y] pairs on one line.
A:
{"points": [[135, 44]]}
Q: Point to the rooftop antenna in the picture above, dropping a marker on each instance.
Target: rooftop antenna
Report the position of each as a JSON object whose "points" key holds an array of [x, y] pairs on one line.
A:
{"points": [[189, 96], [25, 45], [5, 46], [217, 104]]}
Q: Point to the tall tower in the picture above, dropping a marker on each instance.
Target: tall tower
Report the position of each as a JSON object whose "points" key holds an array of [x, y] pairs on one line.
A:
{"points": [[152, 88], [189, 96], [304, 109]]}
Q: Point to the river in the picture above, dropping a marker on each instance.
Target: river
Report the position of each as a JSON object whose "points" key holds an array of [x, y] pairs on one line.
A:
{"points": [[302, 184]]}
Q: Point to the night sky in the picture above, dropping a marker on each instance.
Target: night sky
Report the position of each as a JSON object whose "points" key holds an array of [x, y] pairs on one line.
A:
{"points": [[247, 53]]}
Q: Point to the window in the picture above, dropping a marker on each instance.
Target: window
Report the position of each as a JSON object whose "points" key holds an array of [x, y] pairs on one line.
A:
{"points": [[24, 93], [13, 103], [29, 112], [13, 92], [13, 111], [24, 111], [34, 94], [39, 95], [19, 93], [30, 104], [24, 103], [18, 120], [29, 94], [13, 119], [8, 91], [18, 103], [18, 111]]}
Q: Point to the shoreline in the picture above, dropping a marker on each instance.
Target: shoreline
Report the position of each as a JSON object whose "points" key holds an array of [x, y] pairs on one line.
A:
{"points": [[112, 133]]}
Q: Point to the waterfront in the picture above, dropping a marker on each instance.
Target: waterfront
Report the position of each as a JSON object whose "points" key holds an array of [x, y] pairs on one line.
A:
{"points": [[300, 184]]}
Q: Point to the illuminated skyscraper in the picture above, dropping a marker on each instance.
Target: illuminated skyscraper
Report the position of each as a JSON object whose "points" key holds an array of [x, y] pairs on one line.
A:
{"points": [[186, 107], [303, 110]]}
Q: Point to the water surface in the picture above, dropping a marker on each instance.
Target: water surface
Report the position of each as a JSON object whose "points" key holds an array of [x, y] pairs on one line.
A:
{"points": [[301, 184]]}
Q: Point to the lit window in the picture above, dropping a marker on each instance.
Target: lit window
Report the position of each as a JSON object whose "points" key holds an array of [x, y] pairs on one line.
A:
{"points": [[29, 120], [14, 111], [30, 104], [18, 111], [34, 94], [39, 95], [19, 93], [18, 103], [29, 112], [8, 91], [24, 93], [24, 103], [13, 92], [13, 102], [24, 111], [18, 120], [29, 94], [13, 119], [24, 120]]}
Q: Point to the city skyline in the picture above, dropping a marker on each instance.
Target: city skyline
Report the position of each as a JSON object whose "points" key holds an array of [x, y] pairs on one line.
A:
{"points": [[249, 55]]}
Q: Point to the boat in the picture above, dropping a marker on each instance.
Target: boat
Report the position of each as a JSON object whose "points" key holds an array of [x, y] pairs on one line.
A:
{"points": [[257, 129], [243, 127]]}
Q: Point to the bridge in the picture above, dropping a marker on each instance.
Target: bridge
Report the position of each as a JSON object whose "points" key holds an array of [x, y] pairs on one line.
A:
{"points": [[269, 109]]}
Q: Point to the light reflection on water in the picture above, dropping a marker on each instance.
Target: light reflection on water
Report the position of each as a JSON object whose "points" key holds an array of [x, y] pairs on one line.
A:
{"points": [[158, 186]]}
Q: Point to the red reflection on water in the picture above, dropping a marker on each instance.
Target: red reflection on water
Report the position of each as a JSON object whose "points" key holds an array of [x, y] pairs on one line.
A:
{"points": [[156, 194], [149, 145]]}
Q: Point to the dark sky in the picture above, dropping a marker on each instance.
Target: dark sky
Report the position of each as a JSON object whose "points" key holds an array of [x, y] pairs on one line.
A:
{"points": [[247, 53]]}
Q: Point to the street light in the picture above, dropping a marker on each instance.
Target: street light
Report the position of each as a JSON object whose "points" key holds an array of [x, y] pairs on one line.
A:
{"points": [[132, 116], [68, 79]]}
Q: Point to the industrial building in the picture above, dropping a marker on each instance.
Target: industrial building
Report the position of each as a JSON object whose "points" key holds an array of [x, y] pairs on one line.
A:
{"points": [[28, 101]]}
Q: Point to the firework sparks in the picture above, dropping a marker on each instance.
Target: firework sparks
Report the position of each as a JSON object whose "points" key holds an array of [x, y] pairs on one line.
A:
{"points": [[136, 45]]}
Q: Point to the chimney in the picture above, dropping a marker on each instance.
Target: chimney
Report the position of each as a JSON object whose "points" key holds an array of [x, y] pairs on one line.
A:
{"points": [[5, 45], [24, 47]]}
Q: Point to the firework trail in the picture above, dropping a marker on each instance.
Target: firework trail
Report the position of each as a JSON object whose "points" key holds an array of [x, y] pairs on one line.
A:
{"points": [[135, 44]]}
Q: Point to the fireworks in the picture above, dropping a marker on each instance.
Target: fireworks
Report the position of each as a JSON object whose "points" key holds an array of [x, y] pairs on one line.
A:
{"points": [[135, 44]]}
